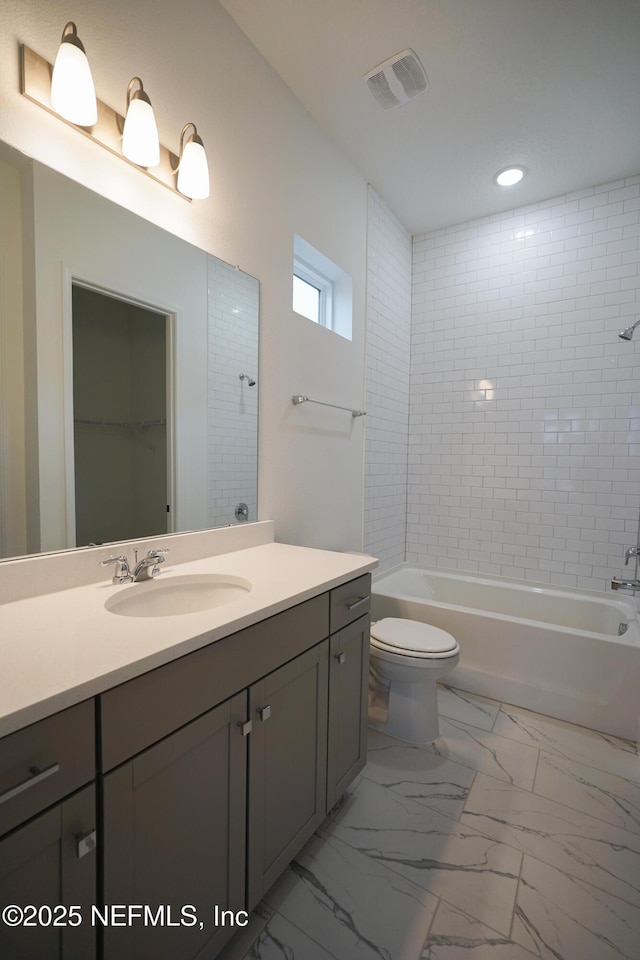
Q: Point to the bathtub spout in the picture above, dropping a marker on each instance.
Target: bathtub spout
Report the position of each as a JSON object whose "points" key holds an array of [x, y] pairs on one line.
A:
{"points": [[619, 583]]}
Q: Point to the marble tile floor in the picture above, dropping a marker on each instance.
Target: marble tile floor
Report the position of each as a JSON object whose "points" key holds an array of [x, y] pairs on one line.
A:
{"points": [[513, 836]]}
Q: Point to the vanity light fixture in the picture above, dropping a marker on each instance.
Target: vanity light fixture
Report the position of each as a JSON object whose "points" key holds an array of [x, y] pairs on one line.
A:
{"points": [[140, 141], [509, 176], [193, 169], [73, 94], [67, 92]]}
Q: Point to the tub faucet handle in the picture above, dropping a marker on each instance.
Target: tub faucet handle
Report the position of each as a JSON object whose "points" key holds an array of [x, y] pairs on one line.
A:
{"points": [[631, 552]]}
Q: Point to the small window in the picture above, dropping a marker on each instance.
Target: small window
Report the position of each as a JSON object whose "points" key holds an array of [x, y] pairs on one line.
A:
{"points": [[321, 290], [306, 298], [312, 294]]}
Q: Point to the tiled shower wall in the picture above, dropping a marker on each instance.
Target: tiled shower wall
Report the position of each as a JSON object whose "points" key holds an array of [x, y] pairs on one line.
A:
{"points": [[387, 377], [524, 445], [233, 404]]}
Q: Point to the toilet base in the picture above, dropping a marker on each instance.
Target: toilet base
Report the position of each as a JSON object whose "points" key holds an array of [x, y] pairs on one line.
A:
{"points": [[413, 712]]}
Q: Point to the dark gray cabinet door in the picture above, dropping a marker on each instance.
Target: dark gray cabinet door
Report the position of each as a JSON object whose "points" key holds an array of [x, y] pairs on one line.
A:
{"points": [[174, 837], [348, 683], [287, 765], [40, 866]]}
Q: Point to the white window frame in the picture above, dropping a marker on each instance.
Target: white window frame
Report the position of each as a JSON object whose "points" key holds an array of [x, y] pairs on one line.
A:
{"points": [[335, 286], [305, 272]]}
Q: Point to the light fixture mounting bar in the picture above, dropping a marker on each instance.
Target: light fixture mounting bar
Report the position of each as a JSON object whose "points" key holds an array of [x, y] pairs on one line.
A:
{"points": [[35, 84]]}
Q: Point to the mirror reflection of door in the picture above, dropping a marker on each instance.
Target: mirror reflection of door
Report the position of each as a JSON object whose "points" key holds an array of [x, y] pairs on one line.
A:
{"points": [[120, 410]]}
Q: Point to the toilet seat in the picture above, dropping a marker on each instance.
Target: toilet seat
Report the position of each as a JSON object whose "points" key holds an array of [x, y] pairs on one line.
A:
{"points": [[411, 639]]}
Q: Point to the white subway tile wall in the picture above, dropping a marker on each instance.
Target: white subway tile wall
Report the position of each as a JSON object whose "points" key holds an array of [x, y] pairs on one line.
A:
{"points": [[524, 438], [233, 404], [387, 375]]}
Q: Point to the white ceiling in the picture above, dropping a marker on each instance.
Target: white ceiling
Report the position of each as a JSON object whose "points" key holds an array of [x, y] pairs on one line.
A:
{"points": [[553, 85]]}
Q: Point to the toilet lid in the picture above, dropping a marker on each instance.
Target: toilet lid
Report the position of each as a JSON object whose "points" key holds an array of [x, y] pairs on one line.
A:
{"points": [[411, 636]]}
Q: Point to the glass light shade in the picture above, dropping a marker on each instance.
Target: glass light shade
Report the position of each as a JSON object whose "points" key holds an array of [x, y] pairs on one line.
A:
{"points": [[193, 172], [140, 142], [73, 94], [510, 176]]}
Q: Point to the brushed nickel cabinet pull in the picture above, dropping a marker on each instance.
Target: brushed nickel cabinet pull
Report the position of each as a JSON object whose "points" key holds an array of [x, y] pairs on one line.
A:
{"points": [[37, 776], [356, 603], [246, 727], [341, 657], [265, 713]]}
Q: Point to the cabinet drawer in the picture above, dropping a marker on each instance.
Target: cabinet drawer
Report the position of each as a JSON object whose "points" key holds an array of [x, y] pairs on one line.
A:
{"points": [[142, 711], [350, 601], [44, 762], [41, 865]]}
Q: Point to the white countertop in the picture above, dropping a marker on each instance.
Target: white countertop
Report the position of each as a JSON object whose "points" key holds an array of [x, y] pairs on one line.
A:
{"points": [[60, 648]]}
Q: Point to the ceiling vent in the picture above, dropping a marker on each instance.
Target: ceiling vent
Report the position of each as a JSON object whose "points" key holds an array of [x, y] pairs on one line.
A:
{"points": [[397, 80]]}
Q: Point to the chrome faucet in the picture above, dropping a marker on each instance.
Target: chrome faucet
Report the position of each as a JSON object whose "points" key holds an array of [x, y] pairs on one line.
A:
{"points": [[145, 569], [624, 583], [619, 583], [149, 566]]}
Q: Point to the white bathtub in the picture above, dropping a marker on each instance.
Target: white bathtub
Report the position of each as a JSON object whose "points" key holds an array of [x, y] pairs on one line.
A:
{"points": [[558, 652]]}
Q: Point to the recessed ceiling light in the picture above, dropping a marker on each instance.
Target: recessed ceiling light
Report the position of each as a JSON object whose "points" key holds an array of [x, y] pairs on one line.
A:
{"points": [[509, 176]]}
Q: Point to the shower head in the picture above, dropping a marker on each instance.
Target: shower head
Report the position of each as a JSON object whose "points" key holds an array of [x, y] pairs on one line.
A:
{"points": [[250, 381], [628, 333]]}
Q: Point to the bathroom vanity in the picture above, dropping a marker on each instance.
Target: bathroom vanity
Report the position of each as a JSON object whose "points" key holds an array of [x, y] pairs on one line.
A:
{"points": [[189, 786]]}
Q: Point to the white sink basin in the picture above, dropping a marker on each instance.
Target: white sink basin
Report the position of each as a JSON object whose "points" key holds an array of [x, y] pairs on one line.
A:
{"points": [[176, 596]]}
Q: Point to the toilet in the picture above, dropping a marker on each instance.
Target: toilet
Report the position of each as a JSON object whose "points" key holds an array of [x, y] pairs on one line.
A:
{"points": [[408, 658]]}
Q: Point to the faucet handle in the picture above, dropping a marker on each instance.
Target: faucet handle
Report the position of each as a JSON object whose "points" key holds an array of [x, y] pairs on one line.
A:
{"points": [[122, 573], [158, 554], [631, 552]]}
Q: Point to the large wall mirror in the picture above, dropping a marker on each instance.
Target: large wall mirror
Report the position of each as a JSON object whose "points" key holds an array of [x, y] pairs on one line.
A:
{"points": [[128, 373]]}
